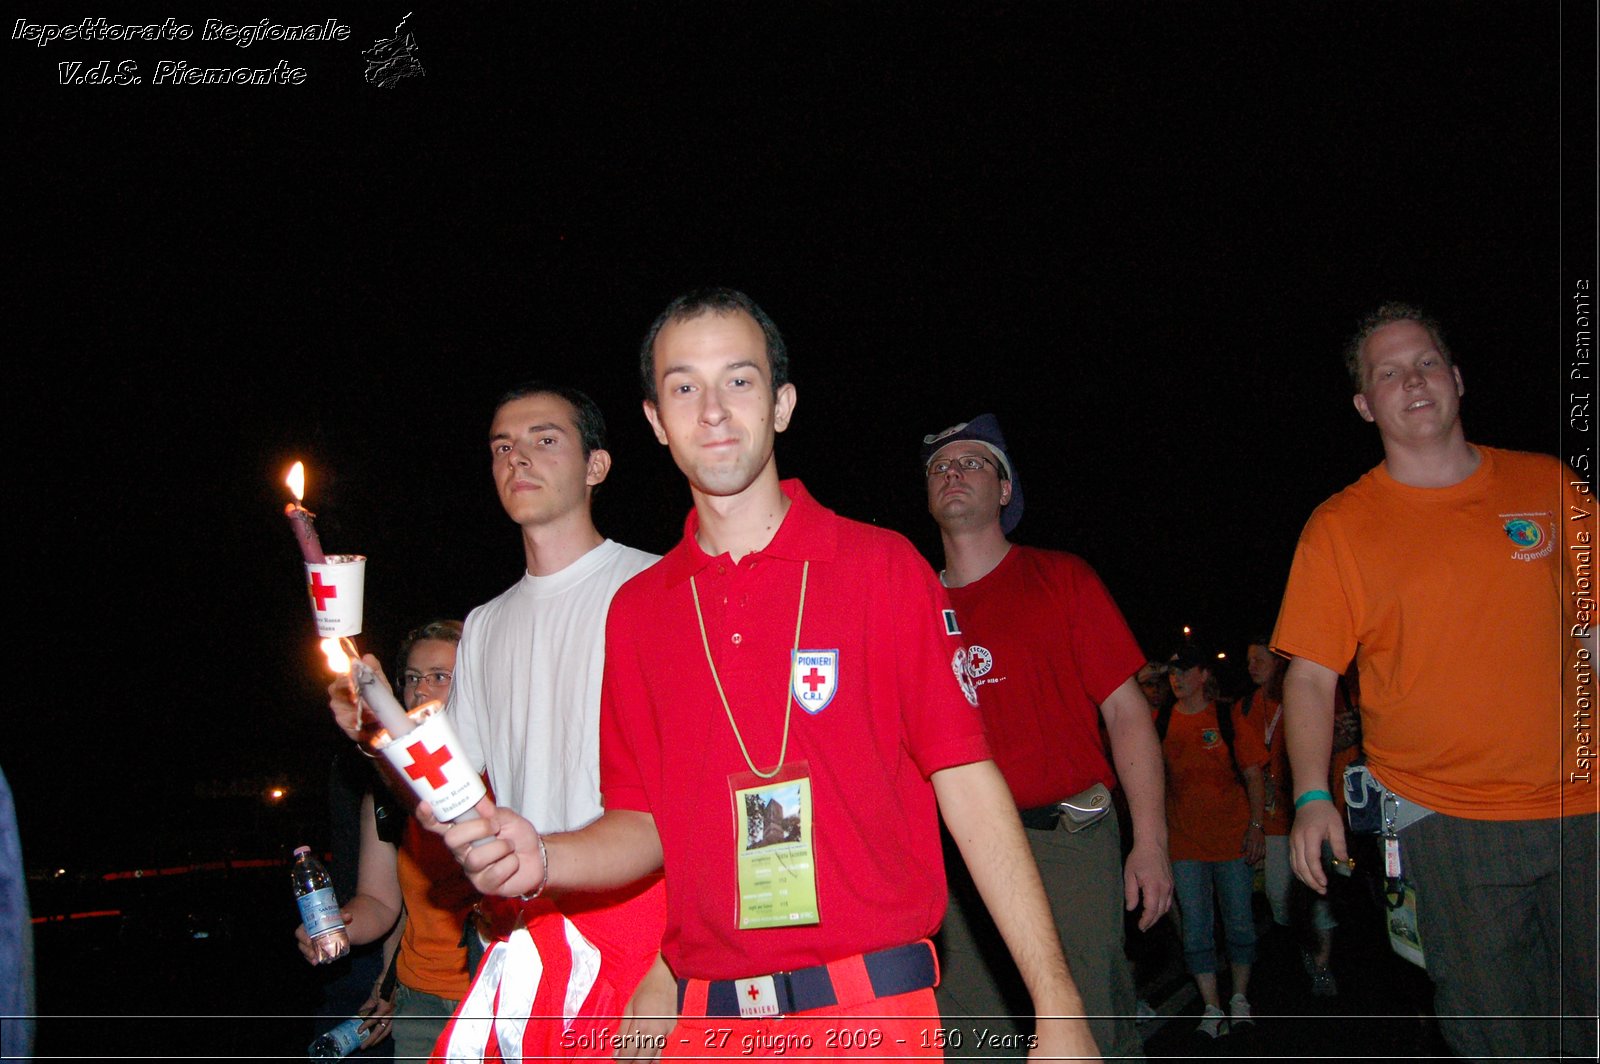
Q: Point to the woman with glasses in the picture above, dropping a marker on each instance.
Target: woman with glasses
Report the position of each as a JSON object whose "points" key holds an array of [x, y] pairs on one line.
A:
{"points": [[409, 880]]}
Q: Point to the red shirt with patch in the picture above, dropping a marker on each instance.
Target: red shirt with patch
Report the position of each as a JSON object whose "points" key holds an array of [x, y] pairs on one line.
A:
{"points": [[896, 715], [1047, 646]]}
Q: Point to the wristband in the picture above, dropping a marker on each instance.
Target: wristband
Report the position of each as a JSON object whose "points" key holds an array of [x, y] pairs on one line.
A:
{"points": [[1309, 796], [545, 882], [1257, 825]]}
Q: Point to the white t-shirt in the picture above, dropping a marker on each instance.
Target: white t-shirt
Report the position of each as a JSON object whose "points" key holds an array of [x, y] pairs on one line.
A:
{"points": [[526, 695]]}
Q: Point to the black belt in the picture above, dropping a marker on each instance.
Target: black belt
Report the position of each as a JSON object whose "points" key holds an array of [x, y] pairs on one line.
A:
{"points": [[899, 970], [1041, 818]]}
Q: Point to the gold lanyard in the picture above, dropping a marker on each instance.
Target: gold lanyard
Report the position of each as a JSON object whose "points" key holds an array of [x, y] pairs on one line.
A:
{"points": [[788, 698]]}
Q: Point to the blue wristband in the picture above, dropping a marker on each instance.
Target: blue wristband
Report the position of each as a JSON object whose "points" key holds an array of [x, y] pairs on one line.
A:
{"points": [[1312, 796]]}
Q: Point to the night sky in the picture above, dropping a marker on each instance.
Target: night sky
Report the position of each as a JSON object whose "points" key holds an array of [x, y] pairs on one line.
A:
{"points": [[1138, 233]]}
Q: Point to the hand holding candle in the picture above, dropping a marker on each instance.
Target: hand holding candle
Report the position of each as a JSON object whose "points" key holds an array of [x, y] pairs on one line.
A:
{"points": [[421, 745]]}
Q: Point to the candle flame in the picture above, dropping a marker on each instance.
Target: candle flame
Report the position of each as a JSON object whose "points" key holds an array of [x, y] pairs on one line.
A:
{"points": [[297, 481], [338, 660]]}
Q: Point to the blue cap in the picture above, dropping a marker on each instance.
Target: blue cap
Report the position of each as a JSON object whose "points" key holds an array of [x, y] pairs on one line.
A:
{"points": [[984, 429]]}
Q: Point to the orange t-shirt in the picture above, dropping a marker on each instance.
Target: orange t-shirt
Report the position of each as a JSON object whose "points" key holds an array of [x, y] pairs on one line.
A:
{"points": [[437, 897], [1207, 810], [1457, 604], [1266, 715]]}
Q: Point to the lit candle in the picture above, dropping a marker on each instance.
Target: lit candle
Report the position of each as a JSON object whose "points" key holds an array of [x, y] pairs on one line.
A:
{"points": [[300, 518]]}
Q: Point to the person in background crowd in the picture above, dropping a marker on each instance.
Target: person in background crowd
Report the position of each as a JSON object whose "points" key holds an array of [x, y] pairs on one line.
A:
{"points": [[1214, 834], [1052, 658], [416, 884]]}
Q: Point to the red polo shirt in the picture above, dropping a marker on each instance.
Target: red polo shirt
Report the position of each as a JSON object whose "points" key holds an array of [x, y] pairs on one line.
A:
{"points": [[1047, 647], [897, 715]]}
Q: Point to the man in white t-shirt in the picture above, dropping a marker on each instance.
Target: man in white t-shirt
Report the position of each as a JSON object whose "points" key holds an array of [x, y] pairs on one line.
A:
{"points": [[526, 701]]}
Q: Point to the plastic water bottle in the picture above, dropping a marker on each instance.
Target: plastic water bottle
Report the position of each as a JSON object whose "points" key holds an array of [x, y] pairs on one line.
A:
{"points": [[319, 909], [337, 1043]]}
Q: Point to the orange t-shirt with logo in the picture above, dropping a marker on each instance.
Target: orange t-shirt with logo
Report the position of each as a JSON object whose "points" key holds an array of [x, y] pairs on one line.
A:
{"points": [[1207, 809], [1457, 604]]}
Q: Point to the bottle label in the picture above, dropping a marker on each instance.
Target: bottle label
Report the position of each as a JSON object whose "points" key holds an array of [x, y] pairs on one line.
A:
{"points": [[319, 911], [339, 1042]]}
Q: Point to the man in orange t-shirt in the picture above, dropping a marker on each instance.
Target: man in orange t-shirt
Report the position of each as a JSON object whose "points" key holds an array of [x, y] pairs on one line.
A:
{"points": [[1443, 573]]}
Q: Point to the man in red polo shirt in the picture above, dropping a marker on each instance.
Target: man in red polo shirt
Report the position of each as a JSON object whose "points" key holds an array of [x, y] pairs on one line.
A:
{"points": [[785, 710]]}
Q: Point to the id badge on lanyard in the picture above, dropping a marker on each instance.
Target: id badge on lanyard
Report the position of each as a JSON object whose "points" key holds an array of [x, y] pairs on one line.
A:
{"points": [[774, 847]]}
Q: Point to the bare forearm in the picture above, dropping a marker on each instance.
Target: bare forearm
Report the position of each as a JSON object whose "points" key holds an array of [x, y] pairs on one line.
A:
{"points": [[1136, 753], [619, 848], [1256, 792], [1308, 723], [370, 919]]}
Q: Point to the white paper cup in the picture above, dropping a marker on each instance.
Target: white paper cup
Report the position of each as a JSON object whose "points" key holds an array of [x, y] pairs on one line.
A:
{"points": [[432, 759], [336, 589]]}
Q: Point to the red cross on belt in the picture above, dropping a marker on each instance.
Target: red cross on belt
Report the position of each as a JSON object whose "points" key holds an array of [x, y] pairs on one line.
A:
{"points": [[753, 992], [813, 679], [320, 592], [429, 763]]}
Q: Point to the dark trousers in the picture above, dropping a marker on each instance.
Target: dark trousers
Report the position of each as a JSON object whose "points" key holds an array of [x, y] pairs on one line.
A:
{"points": [[1506, 910]]}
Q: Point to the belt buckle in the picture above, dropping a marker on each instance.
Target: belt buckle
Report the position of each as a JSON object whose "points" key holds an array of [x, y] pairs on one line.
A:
{"points": [[758, 997]]}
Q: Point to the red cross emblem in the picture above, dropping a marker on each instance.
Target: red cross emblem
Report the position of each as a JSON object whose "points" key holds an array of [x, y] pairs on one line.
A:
{"points": [[753, 992], [320, 592], [429, 763], [814, 678]]}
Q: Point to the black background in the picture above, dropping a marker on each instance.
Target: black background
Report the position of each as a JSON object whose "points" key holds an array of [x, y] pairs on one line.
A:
{"points": [[1138, 233]]}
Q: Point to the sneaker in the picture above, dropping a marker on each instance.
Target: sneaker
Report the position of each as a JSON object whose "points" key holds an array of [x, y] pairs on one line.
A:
{"points": [[1323, 984], [1322, 981], [1144, 1013], [1211, 1022], [1239, 1010]]}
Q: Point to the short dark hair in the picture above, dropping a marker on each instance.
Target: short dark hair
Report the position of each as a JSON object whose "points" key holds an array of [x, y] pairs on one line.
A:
{"points": [[590, 423], [444, 631], [692, 305], [1388, 314]]}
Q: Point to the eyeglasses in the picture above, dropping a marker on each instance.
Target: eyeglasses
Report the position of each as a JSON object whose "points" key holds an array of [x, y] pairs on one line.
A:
{"points": [[967, 463], [436, 678]]}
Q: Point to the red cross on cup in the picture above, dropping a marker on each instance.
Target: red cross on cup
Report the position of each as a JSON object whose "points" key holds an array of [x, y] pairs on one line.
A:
{"points": [[429, 763], [320, 592]]}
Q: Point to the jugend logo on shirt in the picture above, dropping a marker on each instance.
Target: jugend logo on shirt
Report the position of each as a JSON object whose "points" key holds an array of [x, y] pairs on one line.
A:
{"points": [[1533, 533], [814, 677]]}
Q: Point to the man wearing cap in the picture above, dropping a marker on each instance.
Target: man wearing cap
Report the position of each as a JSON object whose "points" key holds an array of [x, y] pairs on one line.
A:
{"points": [[1051, 657], [1450, 573], [784, 714]]}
